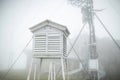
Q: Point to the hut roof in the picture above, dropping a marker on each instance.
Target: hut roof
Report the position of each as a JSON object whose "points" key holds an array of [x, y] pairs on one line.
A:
{"points": [[52, 24]]}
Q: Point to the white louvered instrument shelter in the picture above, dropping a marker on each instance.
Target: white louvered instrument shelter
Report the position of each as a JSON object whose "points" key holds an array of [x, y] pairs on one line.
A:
{"points": [[49, 40]]}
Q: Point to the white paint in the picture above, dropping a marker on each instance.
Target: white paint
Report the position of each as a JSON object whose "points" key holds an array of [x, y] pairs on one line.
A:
{"points": [[93, 64], [48, 39]]}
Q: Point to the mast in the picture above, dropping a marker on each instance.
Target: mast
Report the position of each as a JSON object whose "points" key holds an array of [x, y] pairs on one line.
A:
{"points": [[88, 16]]}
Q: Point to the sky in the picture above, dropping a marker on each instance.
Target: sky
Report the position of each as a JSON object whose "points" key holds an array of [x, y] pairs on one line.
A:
{"points": [[17, 16]]}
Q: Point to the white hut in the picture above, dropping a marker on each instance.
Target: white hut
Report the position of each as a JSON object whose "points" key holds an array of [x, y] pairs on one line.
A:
{"points": [[49, 39]]}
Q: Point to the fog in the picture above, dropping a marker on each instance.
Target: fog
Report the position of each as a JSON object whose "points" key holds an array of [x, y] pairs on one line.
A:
{"points": [[17, 16]]}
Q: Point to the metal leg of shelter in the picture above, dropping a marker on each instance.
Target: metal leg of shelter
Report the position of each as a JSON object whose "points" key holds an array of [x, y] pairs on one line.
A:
{"points": [[52, 75], [38, 66], [63, 73], [30, 69], [40, 69], [51, 72], [54, 72], [35, 71], [49, 75], [67, 73]]}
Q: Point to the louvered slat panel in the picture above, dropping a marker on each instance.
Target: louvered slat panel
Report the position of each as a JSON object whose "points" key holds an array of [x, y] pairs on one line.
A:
{"points": [[54, 50], [53, 47], [40, 43], [53, 43]]}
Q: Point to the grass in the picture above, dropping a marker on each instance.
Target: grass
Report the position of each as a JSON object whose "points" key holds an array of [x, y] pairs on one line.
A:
{"points": [[22, 75]]}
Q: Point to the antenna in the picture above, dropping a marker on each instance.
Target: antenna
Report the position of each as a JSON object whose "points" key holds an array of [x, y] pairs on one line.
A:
{"points": [[88, 16]]}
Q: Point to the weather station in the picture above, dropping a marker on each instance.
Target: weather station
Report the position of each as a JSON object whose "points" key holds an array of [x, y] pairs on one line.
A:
{"points": [[50, 52], [49, 42]]}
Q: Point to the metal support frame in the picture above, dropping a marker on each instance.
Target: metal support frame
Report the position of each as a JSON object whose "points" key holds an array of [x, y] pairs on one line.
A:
{"points": [[63, 72], [36, 76], [52, 74], [67, 73], [93, 57], [87, 11], [39, 69], [30, 70], [52, 71], [35, 72]]}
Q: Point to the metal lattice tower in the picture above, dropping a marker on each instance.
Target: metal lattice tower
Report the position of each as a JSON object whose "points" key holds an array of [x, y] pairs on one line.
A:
{"points": [[88, 16]]}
